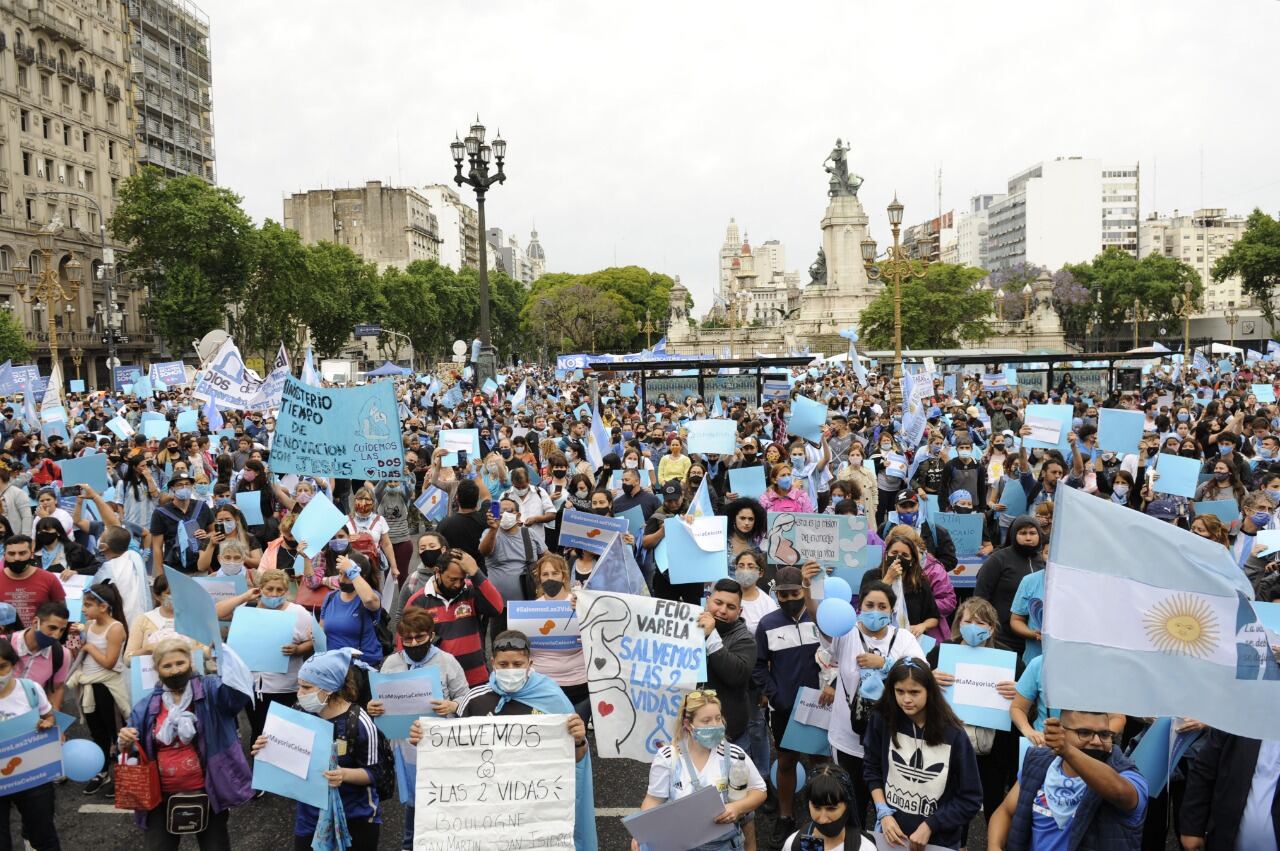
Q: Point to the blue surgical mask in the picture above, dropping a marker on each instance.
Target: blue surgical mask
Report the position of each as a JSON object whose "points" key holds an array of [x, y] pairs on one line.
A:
{"points": [[1184, 417], [1224, 448], [339, 545], [874, 621], [709, 737], [974, 635], [271, 602], [182, 494], [908, 517], [784, 482], [1260, 518]]}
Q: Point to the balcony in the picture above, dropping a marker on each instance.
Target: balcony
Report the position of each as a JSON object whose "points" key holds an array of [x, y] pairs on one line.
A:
{"points": [[66, 71], [24, 54], [42, 20], [48, 63], [86, 81], [111, 90]]}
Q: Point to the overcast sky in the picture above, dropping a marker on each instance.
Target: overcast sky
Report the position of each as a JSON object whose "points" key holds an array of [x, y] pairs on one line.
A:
{"points": [[637, 129]]}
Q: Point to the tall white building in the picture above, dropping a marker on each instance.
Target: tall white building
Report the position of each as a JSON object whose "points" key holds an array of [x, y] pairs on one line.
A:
{"points": [[459, 227], [728, 257], [1198, 240], [537, 257], [1066, 210], [971, 232]]}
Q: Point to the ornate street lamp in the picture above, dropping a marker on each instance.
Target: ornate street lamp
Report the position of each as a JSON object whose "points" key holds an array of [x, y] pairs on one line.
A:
{"points": [[1231, 316], [477, 154], [46, 291], [898, 268], [1184, 306]]}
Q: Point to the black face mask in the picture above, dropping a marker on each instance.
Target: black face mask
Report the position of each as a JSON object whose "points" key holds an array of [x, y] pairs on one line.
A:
{"points": [[418, 653], [18, 566], [694, 482], [348, 587], [1189, 453], [603, 512], [1097, 753], [1025, 551], [552, 587], [429, 557], [792, 607], [44, 539], [831, 829], [629, 490], [723, 628], [178, 681]]}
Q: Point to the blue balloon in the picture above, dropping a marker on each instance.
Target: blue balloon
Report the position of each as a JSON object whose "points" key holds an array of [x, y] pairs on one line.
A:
{"points": [[81, 760], [836, 617], [835, 588], [773, 775]]}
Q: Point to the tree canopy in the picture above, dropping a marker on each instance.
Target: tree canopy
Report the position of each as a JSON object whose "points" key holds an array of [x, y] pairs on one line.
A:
{"points": [[942, 310], [596, 311], [1255, 257]]}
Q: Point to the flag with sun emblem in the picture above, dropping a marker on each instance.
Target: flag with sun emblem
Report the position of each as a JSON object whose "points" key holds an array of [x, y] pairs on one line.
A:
{"points": [[1147, 619]]}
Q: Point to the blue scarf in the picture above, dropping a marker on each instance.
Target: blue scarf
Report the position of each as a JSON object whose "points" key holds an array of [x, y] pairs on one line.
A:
{"points": [[541, 693], [331, 826]]}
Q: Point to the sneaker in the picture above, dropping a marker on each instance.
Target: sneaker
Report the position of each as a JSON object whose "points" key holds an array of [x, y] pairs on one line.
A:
{"points": [[783, 828], [109, 788], [95, 783]]}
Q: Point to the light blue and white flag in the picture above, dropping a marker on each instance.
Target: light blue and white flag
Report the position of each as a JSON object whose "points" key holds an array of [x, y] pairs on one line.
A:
{"points": [[597, 440], [309, 374], [1147, 619], [433, 504], [700, 505], [616, 570], [522, 393], [1199, 362], [29, 414], [717, 410]]}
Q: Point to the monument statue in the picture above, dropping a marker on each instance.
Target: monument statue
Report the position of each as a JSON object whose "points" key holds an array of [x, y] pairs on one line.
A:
{"points": [[842, 182], [818, 271]]}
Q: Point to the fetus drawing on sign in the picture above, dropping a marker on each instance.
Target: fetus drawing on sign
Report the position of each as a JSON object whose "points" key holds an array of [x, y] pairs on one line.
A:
{"points": [[603, 625], [374, 424], [781, 550]]}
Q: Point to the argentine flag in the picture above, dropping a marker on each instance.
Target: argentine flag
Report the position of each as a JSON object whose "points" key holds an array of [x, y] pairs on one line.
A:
{"points": [[1147, 619], [433, 504], [597, 439]]}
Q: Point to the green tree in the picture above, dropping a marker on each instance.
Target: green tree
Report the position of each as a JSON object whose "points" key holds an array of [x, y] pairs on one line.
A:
{"points": [[1255, 258], [411, 309], [579, 317], [13, 341], [190, 244], [1115, 279], [633, 290], [939, 311], [343, 291], [272, 309]]}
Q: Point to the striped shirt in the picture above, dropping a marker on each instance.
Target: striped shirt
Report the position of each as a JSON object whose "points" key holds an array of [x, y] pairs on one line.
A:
{"points": [[457, 624]]}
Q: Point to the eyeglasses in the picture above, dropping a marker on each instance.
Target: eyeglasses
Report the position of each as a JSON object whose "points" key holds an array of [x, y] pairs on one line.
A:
{"points": [[1085, 734], [415, 640], [702, 694], [515, 642]]}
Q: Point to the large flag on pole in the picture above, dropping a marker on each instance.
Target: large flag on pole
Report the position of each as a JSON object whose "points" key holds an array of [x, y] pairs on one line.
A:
{"points": [[597, 440], [53, 393], [309, 374], [1147, 619]]}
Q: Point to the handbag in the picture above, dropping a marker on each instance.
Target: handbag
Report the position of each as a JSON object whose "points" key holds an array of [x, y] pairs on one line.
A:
{"points": [[138, 783], [187, 812]]}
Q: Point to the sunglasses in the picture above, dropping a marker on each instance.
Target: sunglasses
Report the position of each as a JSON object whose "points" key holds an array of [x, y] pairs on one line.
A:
{"points": [[515, 642]]}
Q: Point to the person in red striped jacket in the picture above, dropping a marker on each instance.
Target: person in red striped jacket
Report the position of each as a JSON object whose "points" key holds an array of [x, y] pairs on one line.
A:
{"points": [[456, 597]]}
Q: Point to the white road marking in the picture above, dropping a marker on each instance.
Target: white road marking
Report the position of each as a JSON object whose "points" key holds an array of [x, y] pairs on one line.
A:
{"points": [[615, 812], [103, 808]]}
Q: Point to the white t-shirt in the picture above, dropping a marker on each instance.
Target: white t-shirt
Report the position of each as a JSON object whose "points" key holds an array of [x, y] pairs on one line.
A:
{"points": [[375, 525], [16, 703], [270, 682], [755, 610], [845, 651], [712, 774]]}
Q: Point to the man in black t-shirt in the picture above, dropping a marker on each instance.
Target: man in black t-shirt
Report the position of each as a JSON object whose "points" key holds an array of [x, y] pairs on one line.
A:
{"points": [[170, 546], [464, 528]]}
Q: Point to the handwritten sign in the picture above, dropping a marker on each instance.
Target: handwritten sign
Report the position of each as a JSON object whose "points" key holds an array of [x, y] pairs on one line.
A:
{"points": [[965, 530], [482, 782], [550, 624], [642, 654], [351, 433], [835, 541]]}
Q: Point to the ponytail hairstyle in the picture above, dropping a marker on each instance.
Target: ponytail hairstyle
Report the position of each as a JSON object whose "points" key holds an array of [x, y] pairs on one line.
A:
{"points": [[830, 785], [106, 593]]}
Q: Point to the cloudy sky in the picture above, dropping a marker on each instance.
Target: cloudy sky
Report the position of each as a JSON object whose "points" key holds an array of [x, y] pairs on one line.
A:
{"points": [[636, 130]]}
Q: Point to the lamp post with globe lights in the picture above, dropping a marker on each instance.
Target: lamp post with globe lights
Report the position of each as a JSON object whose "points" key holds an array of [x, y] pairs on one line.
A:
{"points": [[898, 268], [476, 154]]}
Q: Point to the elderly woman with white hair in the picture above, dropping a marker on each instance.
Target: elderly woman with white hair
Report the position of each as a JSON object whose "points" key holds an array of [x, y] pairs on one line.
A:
{"points": [[187, 726]]}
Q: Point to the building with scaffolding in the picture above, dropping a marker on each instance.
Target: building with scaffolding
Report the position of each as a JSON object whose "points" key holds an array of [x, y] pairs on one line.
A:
{"points": [[172, 74]]}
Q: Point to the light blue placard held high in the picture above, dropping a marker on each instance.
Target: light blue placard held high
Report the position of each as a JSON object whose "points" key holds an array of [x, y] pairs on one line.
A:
{"points": [[965, 530], [807, 418], [313, 789], [250, 505], [1177, 475], [747, 481], [951, 656], [713, 436], [317, 522], [88, 470], [1120, 431], [350, 433], [257, 634], [687, 562], [428, 689]]}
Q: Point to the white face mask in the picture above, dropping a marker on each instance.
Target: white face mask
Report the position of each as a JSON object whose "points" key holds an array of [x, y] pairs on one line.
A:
{"points": [[511, 680], [232, 568], [632, 464], [508, 520], [310, 702]]}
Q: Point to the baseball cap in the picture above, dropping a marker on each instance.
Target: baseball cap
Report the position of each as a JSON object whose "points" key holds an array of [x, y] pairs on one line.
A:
{"points": [[672, 489], [908, 498], [789, 579]]}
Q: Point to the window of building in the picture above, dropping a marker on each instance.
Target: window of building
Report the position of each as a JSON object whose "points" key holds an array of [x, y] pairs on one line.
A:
{"points": [[115, 184], [111, 111], [26, 163], [88, 180], [24, 120], [84, 102], [44, 85], [66, 135], [111, 149], [46, 126], [23, 81], [31, 211], [84, 141], [48, 169], [66, 95], [4, 211]]}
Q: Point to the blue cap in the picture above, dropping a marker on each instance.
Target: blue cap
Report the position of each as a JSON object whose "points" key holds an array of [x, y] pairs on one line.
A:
{"points": [[961, 495]]}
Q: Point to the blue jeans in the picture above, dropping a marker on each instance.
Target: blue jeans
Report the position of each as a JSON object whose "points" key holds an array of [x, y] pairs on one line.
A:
{"points": [[755, 739], [408, 827]]}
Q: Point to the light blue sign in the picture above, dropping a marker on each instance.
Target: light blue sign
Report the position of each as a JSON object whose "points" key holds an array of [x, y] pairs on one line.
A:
{"points": [[965, 530], [188, 421], [590, 532], [713, 436], [77, 385], [172, 373], [314, 788], [250, 505], [88, 470], [807, 418], [121, 376], [427, 688], [953, 657], [316, 524], [349, 433], [257, 634], [1120, 431], [747, 481]]}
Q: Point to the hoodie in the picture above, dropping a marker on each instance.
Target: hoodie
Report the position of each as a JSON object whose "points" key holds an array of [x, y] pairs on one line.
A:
{"points": [[1000, 575]]}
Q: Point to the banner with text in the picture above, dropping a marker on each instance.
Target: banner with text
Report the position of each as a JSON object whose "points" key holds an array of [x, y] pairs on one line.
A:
{"points": [[348, 433], [226, 380], [837, 541]]}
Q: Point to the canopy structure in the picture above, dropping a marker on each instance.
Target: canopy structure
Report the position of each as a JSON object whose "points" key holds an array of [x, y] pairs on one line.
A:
{"points": [[387, 369]]}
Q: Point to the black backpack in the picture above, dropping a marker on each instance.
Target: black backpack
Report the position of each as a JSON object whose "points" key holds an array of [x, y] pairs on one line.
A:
{"points": [[385, 771]]}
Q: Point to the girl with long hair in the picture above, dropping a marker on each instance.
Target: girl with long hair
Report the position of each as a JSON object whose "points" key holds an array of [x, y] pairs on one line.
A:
{"points": [[901, 567], [829, 807], [99, 672]]}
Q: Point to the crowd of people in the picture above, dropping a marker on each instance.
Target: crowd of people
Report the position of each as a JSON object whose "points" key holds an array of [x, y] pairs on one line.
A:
{"points": [[393, 590]]}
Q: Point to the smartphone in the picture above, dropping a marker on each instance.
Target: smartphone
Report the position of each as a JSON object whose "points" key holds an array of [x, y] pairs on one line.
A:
{"points": [[495, 508], [71, 490], [462, 457]]}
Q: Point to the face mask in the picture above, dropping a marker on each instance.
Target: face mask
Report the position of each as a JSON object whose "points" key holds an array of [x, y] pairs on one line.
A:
{"points": [[44, 539], [508, 520], [511, 680], [747, 576], [1182, 418], [43, 640], [178, 681], [18, 566], [694, 482], [830, 829], [182, 494], [886, 447], [364, 513], [505, 453], [339, 545], [629, 490], [429, 557], [974, 634], [303, 498], [709, 737], [220, 502], [1222, 476], [632, 464], [1097, 753], [1120, 490], [348, 587], [1189, 453], [228, 526], [249, 475], [1224, 449], [784, 482], [1266, 454], [935, 451], [874, 621], [582, 493], [797, 460], [1260, 518], [908, 517], [792, 607], [310, 702], [419, 652], [552, 587], [1275, 496], [232, 568]]}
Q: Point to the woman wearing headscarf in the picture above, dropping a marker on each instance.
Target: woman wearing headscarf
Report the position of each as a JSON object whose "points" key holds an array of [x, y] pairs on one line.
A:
{"points": [[327, 689], [187, 725], [1002, 573]]}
